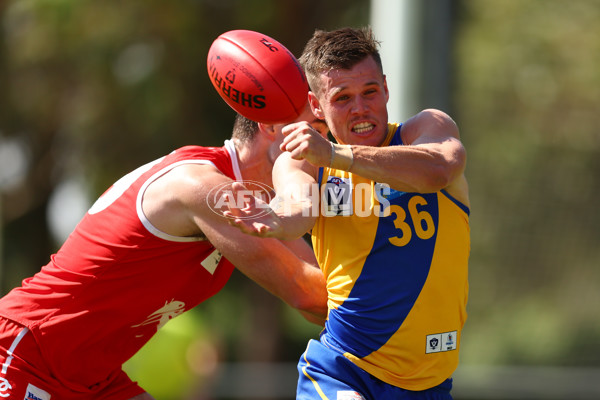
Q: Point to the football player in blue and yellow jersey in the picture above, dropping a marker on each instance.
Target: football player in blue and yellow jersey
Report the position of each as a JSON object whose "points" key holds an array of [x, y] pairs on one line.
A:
{"points": [[388, 210]]}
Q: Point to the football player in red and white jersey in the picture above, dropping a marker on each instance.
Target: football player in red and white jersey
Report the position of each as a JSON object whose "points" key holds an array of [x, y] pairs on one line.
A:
{"points": [[151, 248]]}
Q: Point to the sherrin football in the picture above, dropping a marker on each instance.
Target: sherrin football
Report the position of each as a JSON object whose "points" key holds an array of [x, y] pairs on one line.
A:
{"points": [[257, 76]]}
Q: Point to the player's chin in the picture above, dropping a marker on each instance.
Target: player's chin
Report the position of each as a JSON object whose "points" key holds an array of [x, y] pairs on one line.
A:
{"points": [[371, 137]]}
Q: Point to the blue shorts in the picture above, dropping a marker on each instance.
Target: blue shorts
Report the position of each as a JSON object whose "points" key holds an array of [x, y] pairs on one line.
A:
{"points": [[324, 373]]}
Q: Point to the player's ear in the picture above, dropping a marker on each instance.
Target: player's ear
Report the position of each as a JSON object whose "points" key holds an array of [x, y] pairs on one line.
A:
{"points": [[315, 106], [268, 129], [385, 89]]}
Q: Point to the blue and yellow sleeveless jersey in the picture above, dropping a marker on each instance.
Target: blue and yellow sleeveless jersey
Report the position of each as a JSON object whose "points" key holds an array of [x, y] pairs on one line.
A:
{"points": [[396, 266]]}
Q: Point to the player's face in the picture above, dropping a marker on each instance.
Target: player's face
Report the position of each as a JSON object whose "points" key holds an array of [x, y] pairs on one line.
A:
{"points": [[354, 103]]}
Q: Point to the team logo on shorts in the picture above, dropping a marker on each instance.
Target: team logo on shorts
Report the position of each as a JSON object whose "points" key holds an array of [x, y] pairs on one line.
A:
{"points": [[349, 395]]}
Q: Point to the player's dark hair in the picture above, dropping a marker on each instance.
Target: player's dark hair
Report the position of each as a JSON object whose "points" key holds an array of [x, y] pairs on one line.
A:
{"points": [[244, 129], [338, 49]]}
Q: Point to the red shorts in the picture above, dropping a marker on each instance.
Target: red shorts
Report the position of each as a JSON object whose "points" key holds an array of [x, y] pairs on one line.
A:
{"points": [[24, 373]]}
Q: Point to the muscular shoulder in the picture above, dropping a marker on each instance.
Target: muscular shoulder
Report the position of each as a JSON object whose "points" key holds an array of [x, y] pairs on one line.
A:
{"points": [[430, 123], [175, 200]]}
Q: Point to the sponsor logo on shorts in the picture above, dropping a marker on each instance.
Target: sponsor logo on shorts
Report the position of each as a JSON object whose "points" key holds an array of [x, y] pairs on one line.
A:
{"points": [[35, 393], [349, 395], [441, 342]]}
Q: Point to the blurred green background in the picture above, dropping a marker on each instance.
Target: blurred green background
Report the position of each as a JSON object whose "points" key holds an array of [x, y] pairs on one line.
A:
{"points": [[92, 89]]}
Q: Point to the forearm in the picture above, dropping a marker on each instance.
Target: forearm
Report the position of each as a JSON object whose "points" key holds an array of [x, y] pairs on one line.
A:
{"points": [[404, 168], [312, 298], [297, 283], [296, 216], [278, 269], [304, 251], [297, 202]]}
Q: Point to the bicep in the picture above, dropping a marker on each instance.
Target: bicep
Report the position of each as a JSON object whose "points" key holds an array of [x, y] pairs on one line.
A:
{"points": [[435, 132], [449, 147]]}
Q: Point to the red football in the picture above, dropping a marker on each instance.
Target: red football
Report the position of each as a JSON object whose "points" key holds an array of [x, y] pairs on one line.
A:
{"points": [[257, 76]]}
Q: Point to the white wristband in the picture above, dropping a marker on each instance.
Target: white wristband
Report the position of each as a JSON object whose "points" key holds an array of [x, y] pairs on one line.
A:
{"points": [[341, 157]]}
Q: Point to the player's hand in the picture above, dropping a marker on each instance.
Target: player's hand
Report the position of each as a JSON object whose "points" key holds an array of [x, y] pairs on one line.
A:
{"points": [[254, 217], [303, 142]]}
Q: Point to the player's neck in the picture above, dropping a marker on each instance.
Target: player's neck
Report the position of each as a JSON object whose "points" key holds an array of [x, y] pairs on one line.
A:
{"points": [[255, 162]]}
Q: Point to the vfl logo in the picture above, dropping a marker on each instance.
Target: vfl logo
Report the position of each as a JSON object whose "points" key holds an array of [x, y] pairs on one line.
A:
{"points": [[5, 388], [337, 196], [340, 196], [441, 342], [433, 343]]}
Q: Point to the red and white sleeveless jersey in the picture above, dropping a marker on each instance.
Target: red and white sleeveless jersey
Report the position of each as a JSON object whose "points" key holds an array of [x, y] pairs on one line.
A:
{"points": [[117, 279]]}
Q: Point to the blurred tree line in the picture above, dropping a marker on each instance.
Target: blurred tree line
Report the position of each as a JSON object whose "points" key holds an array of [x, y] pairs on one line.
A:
{"points": [[526, 96], [93, 89]]}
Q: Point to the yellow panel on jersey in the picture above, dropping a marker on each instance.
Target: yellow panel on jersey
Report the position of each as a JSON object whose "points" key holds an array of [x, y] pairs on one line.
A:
{"points": [[396, 270]]}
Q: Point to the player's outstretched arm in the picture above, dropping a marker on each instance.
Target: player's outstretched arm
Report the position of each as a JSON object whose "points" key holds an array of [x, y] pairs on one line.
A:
{"points": [[298, 195], [293, 211], [274, 266], [292, 275]]}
